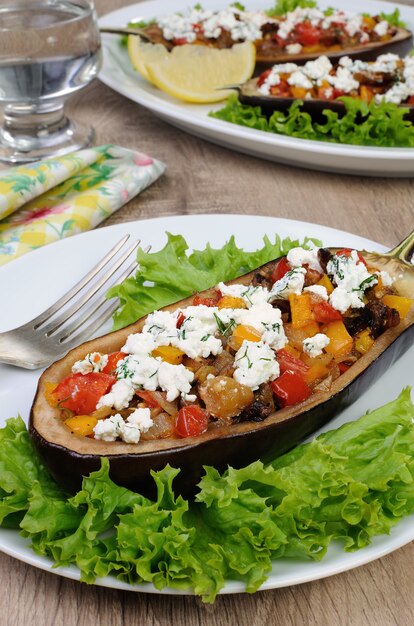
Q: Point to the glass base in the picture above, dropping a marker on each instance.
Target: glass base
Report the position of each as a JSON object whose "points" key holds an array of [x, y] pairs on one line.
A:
{"points": [[26, 137]]}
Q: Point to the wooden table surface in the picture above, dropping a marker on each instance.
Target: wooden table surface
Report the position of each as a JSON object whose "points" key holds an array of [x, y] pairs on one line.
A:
{"points": [[204, 178]]}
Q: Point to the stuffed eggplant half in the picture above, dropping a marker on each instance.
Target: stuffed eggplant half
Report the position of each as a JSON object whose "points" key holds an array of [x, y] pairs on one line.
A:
{"points": [[302, 34], [321, 85], [236, 373]]}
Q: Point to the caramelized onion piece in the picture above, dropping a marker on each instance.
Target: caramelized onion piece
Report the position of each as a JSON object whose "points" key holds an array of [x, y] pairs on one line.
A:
{"points": [[163, 428], [224, 363], [224, 397], [169, 407]]}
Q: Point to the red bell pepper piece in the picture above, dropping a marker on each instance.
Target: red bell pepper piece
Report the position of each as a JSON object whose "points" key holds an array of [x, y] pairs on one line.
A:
{"points": [[290, 388], [113, 360], [325, 313], [191, 420], [80, 392], [281, 268], [288, 362]]}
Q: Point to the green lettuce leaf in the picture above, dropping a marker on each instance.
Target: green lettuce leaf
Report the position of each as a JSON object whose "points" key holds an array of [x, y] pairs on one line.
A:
{"points": [[172, 273], [363, 124], [347, 485], [286, 6]]}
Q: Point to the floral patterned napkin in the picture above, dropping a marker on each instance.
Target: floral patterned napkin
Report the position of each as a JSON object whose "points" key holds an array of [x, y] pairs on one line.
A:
{"points": [[56, 198]]}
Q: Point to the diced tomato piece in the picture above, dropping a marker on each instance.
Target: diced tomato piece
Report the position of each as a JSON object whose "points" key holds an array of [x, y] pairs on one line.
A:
{"points": [[148, 398], [306, 34], [281, 89], [180, 41], [180, 319], [326, 93], [290, 388], [338, 93], [80, 392], [113, 360], [410, 100], [263, 77], [347, 252], [280, 270], [324, 312], [198, 28], [206, 301], [288, 362], [344, 367], [192, 420]]}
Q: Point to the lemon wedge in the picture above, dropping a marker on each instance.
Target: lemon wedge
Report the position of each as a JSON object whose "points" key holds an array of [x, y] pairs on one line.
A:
{"points": [[141, 53], [197, 73]]}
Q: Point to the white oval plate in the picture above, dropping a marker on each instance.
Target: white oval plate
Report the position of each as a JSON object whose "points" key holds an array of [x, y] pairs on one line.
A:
{"points": [[117, 73], [36, 280]]}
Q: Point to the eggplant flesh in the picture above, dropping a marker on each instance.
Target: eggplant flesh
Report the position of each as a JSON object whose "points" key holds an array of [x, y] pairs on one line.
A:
{"points": [[70, 457], [249, 94]]}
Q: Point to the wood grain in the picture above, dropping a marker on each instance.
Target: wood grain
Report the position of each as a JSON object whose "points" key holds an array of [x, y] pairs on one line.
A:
{"points": [[204, 178]]}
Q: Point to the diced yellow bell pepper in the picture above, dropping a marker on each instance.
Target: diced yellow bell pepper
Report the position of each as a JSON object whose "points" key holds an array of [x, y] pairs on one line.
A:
{"points": [[341, 341], [316, 372], [325, 281], [50, 394], [363, 341], [402, 305], [369, 22], [244, 333], [366, 94], [169, 354], [311, 329], [301, 310], [293, 351], [82, 425], [298, 92], [231, 302]]}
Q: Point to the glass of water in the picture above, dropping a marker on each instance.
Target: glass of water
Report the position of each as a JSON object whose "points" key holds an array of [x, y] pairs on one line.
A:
{"points": [[48, 50]]}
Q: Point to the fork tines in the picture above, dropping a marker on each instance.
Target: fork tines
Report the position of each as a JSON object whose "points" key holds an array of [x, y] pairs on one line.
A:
{"points": [[83, 309]]}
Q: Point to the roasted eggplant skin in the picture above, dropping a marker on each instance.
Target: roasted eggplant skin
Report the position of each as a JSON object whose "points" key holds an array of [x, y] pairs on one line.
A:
{"points": [[70, 457], [249, 94]]}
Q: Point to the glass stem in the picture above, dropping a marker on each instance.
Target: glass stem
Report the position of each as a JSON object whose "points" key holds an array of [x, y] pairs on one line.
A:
{"points": [[27, 126]]}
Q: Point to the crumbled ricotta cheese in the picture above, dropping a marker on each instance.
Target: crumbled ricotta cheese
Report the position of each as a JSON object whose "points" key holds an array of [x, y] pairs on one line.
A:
{"points": [[318, 69], [162, 325], [255, 364], [174, 379], [250, 294], [141, 418], [292, 282], [268, 321], [313, 346], [318, 290], [242, 25], [119, 397], [140, 344], [299, 79], [342, 300], [297, 257], [353, 25], [109, 429], [352, 279], [93, 362], [381, 28], [293, 48], [343, 80], [129, 431]]}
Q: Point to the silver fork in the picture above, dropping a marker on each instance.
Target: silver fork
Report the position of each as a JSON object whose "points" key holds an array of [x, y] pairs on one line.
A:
{"points": [[58, 329]]}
